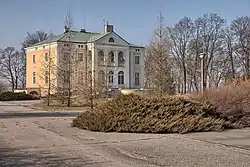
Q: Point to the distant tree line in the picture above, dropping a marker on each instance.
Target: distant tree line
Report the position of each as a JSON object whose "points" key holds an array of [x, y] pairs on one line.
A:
{"points": [[173, 60], [13, 60]]}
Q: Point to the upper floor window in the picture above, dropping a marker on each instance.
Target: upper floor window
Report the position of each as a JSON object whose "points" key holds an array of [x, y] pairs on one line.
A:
{"points": [[34, 59], [111, 40], [80, 57], [80, 46], [65, 56], [137, 50], [89, 56], [101, 57], [120, 59], [111, 57], [137, 59], [46, 57]]}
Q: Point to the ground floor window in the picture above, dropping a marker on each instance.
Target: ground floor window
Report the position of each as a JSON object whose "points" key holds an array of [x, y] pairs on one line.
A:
{"points": [[137, 78], [121, 78], [46, 77], [111, 77], [34, 77]]}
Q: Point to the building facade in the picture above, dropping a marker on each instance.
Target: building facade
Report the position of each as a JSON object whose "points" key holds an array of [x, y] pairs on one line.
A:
{"points": [[107, 56]]}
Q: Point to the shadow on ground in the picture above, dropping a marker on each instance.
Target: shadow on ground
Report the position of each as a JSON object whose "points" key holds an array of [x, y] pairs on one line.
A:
{"points": [[38, 114], [15, 157]]}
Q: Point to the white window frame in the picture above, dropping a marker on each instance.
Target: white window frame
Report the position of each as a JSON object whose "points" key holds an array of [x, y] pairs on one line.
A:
{"points": [[137, 78], [120, 78], [34, 78], [137, 61]]}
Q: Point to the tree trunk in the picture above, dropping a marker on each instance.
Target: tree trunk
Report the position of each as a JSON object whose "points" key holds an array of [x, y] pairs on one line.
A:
{"points": [[184, 79], [13, 86], [232, 64], [16, 83], [247, 66]]}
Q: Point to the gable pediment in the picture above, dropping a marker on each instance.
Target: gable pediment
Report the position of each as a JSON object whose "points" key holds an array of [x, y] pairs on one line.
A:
{"points": [[112, 39]]}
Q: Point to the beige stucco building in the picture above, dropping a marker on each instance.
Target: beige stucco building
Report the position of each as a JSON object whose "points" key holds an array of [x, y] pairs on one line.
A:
{"points": [[105, 54]]}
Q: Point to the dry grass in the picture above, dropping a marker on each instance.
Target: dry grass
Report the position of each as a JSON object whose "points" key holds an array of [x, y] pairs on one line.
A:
{"points": [[56, 106], [231, 101], [133, 113]]}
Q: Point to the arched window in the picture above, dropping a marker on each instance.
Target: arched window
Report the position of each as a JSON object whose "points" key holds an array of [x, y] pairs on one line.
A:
{"points": [[120, 59], [111, 57], [111, 76], [121, 78], [101, 76], [101, 58], [111, 40]]}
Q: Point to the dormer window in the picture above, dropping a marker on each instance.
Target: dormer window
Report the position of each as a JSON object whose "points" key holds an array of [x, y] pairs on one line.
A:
{"points": [[111, 40]]}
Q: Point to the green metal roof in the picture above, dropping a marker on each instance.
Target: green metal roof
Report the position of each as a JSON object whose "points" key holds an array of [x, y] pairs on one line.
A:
{"points": [[137, 46], [77, 36], [52, 39]]}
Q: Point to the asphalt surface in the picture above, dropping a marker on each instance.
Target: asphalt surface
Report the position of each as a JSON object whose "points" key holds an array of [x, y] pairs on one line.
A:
{"points": [[31, 138], [37, 114]]}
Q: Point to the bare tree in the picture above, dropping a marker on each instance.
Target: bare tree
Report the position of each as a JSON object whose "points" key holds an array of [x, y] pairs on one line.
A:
{"points": [[66, 59], [81, 76], [11, 66], [48, 73], [210, 27], [241, 30], [218, 68], [229, 51], [35, 37], [180, 36], [157, 67]]}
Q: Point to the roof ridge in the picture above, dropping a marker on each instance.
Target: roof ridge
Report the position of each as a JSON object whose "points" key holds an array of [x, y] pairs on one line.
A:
{"points": [[77, 36], [84, 32]]}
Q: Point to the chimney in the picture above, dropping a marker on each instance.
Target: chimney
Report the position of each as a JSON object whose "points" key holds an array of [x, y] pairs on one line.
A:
{"points": [[83, 30], [66, 29], [108, 28]]}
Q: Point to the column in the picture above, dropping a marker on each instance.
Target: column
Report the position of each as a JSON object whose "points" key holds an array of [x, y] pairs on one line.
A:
{"points": [[116, 57]]}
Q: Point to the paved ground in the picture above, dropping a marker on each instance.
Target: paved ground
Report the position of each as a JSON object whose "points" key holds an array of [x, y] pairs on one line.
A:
{"points": [[46, 139]]}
